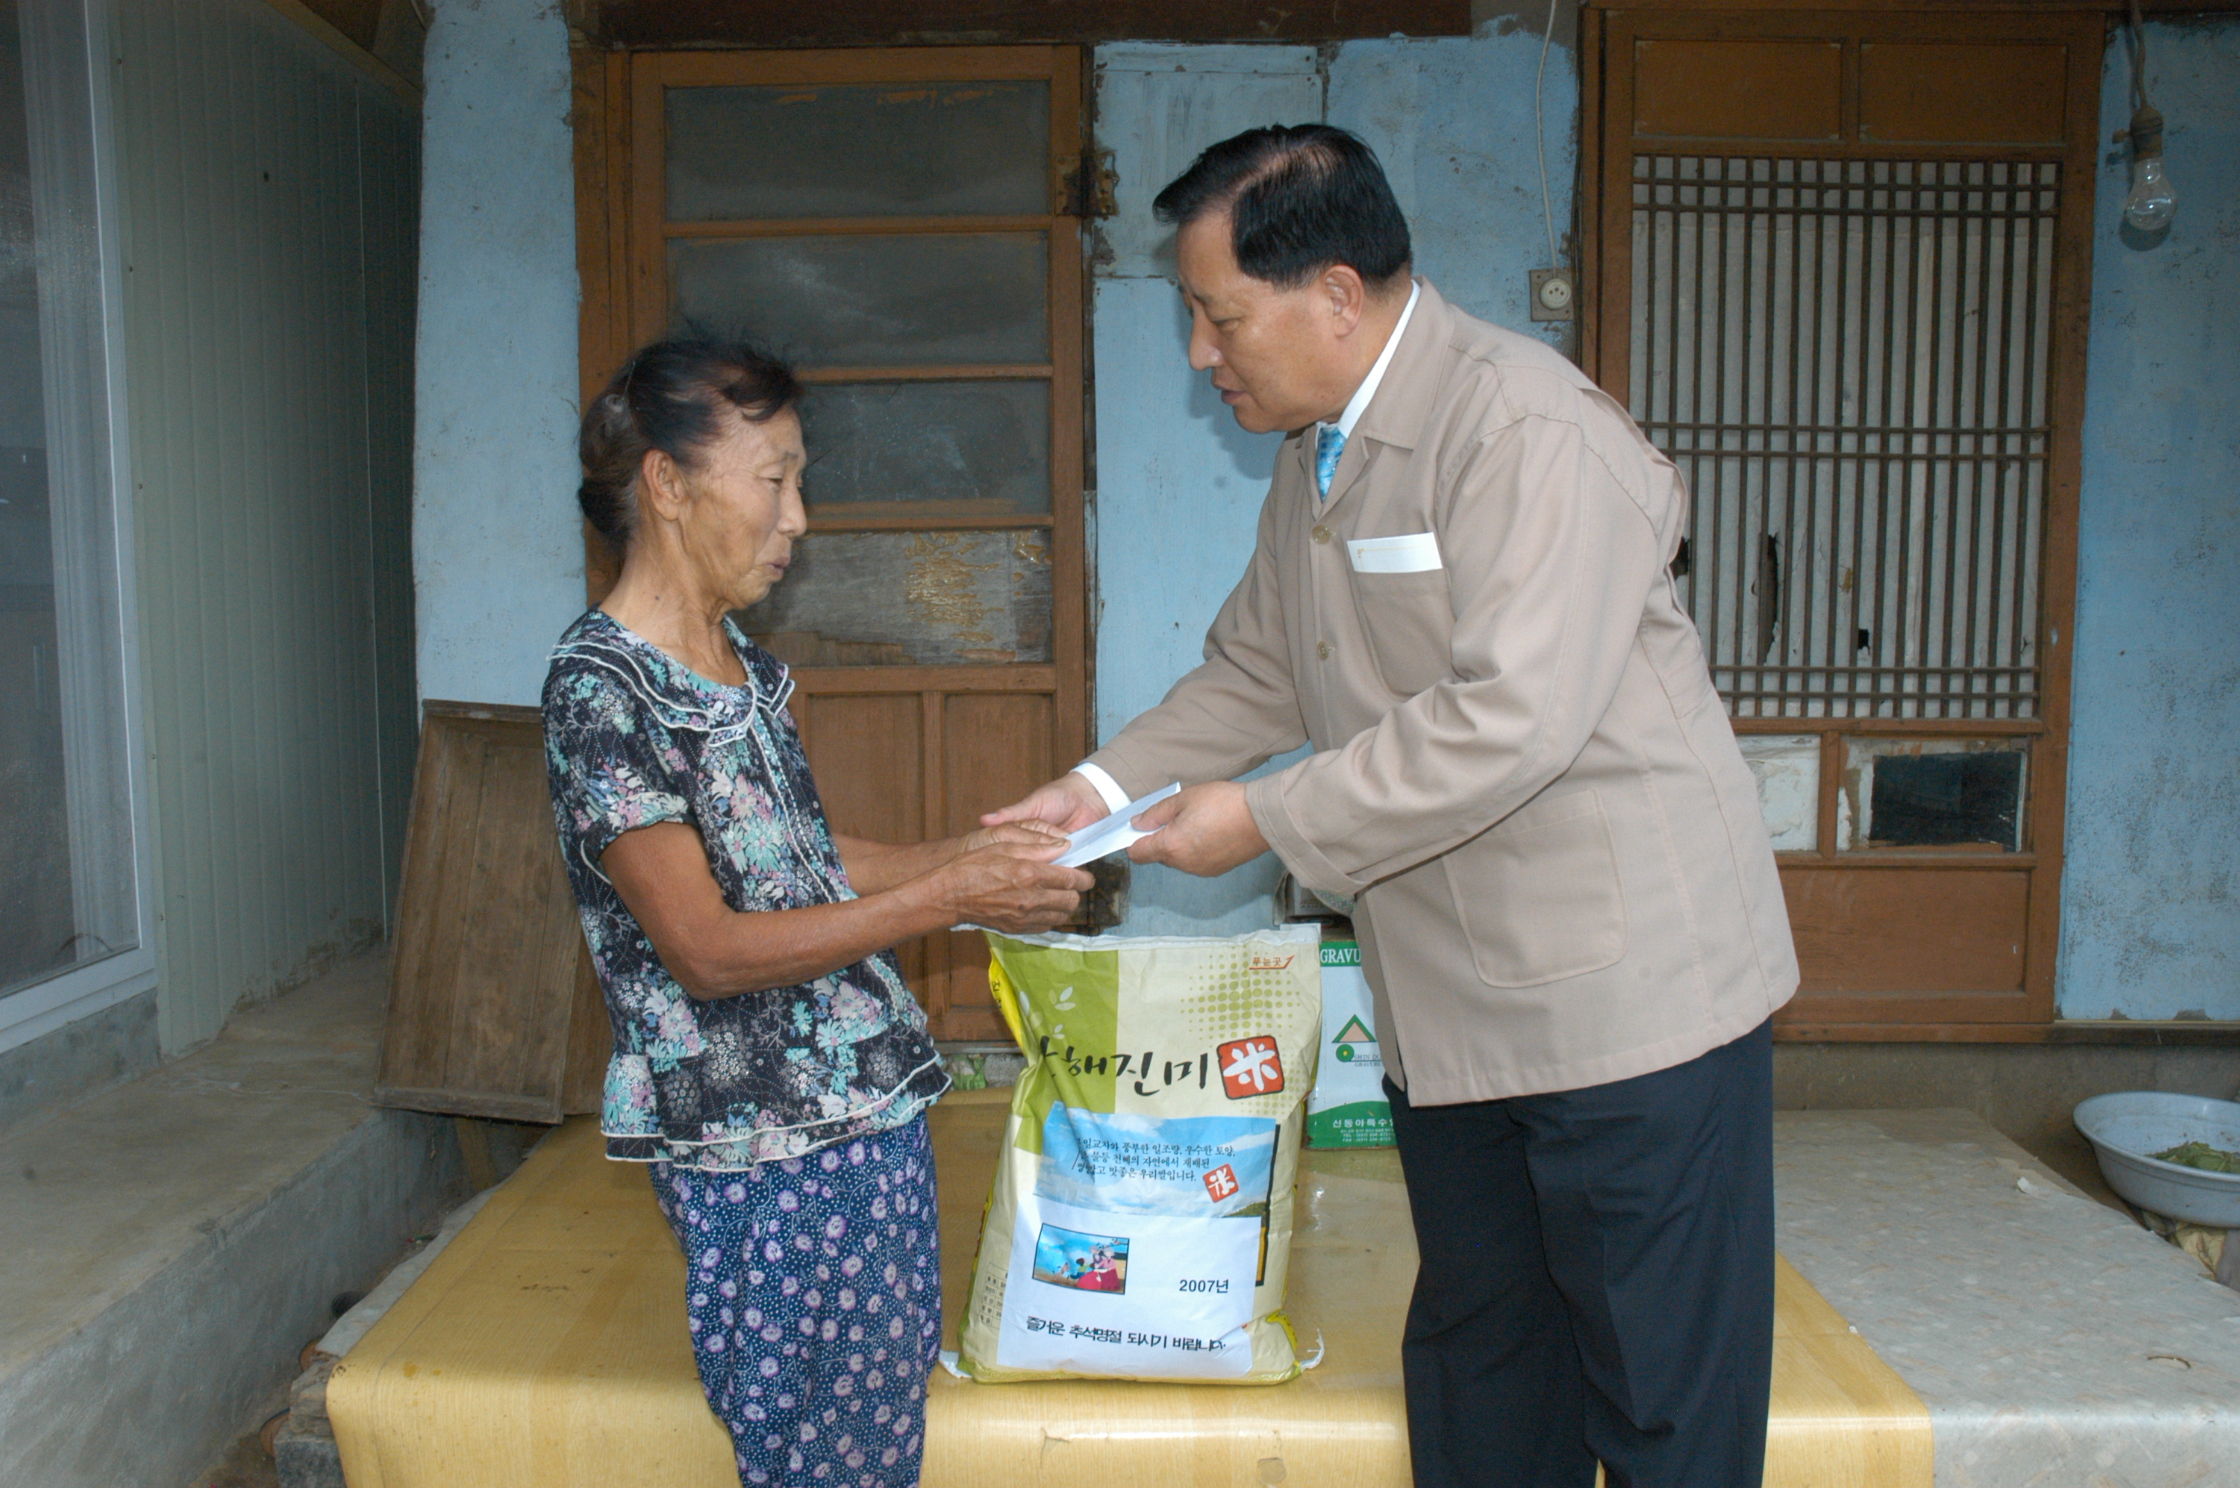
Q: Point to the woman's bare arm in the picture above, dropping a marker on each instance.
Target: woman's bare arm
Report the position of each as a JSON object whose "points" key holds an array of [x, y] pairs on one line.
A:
{"points": [[877, 866], [662, 874]]}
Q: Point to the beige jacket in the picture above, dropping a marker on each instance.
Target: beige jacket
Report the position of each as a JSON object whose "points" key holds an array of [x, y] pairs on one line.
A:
{"points": [[1521, 768]]}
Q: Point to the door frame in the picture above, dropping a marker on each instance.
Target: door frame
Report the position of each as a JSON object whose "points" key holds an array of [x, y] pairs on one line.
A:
{"points": [[619, 123], [1606, 34]]}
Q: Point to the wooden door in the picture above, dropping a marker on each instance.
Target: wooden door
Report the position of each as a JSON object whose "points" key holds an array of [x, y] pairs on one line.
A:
{"points": [[1838, 268], [898, 223]]}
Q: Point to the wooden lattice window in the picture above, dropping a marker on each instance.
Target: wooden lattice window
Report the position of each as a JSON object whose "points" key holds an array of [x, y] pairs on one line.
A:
{"points": [[1837, 267]]}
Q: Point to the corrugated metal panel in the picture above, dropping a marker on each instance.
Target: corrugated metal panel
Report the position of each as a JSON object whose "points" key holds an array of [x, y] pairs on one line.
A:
{"points": [[270, 199]]}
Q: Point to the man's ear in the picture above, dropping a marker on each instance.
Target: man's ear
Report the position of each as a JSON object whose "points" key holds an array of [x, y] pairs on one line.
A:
{"points": [[661, 485], [1347, 295]]}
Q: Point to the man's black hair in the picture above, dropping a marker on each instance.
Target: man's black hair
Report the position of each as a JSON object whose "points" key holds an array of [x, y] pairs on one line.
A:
{"points": [[1301, 198]]}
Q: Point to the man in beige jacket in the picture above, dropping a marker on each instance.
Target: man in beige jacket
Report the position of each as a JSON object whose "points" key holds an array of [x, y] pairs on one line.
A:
{"points": [[1567, 901]]}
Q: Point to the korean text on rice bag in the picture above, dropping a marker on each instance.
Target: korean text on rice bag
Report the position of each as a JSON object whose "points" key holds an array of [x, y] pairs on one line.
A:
{"points": [[1140, 1225]]}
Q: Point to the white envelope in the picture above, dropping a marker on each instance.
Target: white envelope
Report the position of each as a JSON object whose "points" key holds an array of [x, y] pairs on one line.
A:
{"points": [[1112, 834], [1410, 552]]}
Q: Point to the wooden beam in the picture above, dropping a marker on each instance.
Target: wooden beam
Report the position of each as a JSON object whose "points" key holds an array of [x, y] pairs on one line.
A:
{"points": [[360, 20], [2115, 8], [359, 55], [684, 23]]}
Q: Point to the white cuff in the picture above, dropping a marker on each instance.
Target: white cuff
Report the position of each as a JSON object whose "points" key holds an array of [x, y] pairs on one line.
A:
{"points": [[1107, 787]]}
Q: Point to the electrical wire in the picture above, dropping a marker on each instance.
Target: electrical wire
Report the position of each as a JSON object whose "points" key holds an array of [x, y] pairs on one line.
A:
{"points": [[1540, 131], [2138, 60]]}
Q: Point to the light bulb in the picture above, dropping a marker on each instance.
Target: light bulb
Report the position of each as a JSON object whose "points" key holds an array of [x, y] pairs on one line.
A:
{"points": [[2152, 200]]}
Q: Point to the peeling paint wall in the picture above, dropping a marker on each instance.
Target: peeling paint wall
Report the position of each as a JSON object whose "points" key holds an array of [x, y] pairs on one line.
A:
{"points": [[1178, 484], [497, 554], [2150, 921]]}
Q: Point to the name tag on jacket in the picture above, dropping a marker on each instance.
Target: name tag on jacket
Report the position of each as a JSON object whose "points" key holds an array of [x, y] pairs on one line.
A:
{"points": [[1410, 552]]}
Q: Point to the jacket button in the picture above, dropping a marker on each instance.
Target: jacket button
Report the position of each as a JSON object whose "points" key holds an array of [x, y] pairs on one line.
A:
{"points": [[1322, 649], [1321, 534]]}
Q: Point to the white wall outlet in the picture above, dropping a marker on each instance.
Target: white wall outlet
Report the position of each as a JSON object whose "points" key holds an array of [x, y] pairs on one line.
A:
{"points": [[1554, 294]]}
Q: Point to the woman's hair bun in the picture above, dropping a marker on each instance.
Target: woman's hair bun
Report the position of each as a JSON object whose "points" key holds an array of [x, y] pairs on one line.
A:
{"points": [[672, 396]]}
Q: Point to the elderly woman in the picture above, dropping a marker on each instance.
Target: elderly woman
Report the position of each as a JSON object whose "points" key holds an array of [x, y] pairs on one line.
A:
{"points": [[769, 1062]]}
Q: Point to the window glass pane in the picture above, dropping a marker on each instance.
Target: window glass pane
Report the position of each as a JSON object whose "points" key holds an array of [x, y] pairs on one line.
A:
{"points": [[1954, 795], [877, 150], [913, 300], [35, 918], [910, 599], [66, 866], [976, 447]]}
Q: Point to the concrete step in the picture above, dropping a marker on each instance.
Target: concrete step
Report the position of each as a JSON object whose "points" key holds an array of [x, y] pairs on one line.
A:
{"points": [[168, 1247]]}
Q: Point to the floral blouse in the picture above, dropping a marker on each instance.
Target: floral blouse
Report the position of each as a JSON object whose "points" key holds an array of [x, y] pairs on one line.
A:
{"points": [[633, 737]]}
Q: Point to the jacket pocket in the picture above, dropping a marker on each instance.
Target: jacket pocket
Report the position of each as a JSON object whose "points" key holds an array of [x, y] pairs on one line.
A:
{"points": [[1410, 625], [1539, 895]]}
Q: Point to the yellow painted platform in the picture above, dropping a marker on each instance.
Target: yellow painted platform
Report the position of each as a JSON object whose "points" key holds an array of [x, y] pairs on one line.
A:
{"points": [[545, 1348]]}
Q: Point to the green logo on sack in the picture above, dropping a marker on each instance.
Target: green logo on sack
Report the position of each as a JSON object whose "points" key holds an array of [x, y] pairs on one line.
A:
{"points": [[1350, 1039]]}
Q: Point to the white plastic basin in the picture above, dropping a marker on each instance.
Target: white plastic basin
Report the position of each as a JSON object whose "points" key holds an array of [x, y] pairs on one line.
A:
{"points": [[2123, 1128]]}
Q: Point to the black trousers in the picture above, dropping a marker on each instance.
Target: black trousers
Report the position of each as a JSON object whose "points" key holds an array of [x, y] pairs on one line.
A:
{"points": [[1596, 1280]]}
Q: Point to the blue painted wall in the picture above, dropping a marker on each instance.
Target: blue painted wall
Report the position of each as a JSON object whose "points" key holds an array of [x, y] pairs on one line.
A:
{"points": [[1452, 121], [2150, 920], [497, 552], [1178, 483], [1179, 486]]}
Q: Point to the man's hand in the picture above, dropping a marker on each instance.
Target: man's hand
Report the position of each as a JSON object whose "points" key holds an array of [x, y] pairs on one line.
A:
{"points": [[1067, 803], [1205, 830]]}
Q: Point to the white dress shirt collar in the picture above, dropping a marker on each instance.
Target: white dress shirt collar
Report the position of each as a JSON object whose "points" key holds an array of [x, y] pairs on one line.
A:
{"points": [[1368, 389]]}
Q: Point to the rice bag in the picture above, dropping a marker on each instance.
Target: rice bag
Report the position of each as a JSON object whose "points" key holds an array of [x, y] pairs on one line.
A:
{"points": [[1140, 1222]]}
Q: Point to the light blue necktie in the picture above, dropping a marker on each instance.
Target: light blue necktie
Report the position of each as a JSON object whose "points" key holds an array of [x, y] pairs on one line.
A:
{"points": [[1329, 443]]}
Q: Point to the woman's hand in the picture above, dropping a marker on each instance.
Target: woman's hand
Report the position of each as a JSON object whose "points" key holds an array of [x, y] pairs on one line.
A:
{"points": [[1009, 883], [875, 867], [1020, 834]]}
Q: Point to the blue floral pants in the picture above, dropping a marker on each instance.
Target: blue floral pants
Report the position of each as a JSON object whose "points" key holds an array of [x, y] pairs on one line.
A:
{"points": [[813, 1296]]}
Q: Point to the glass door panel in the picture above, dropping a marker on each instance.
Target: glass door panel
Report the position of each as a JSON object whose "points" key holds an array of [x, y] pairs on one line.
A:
{"points": [[929, 448], [952, 149], [68, 892], [910, 300], [910, 599]]}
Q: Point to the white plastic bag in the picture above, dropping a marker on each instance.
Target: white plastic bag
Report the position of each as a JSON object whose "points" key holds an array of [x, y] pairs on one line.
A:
{"points": [[1348, 1107]]}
